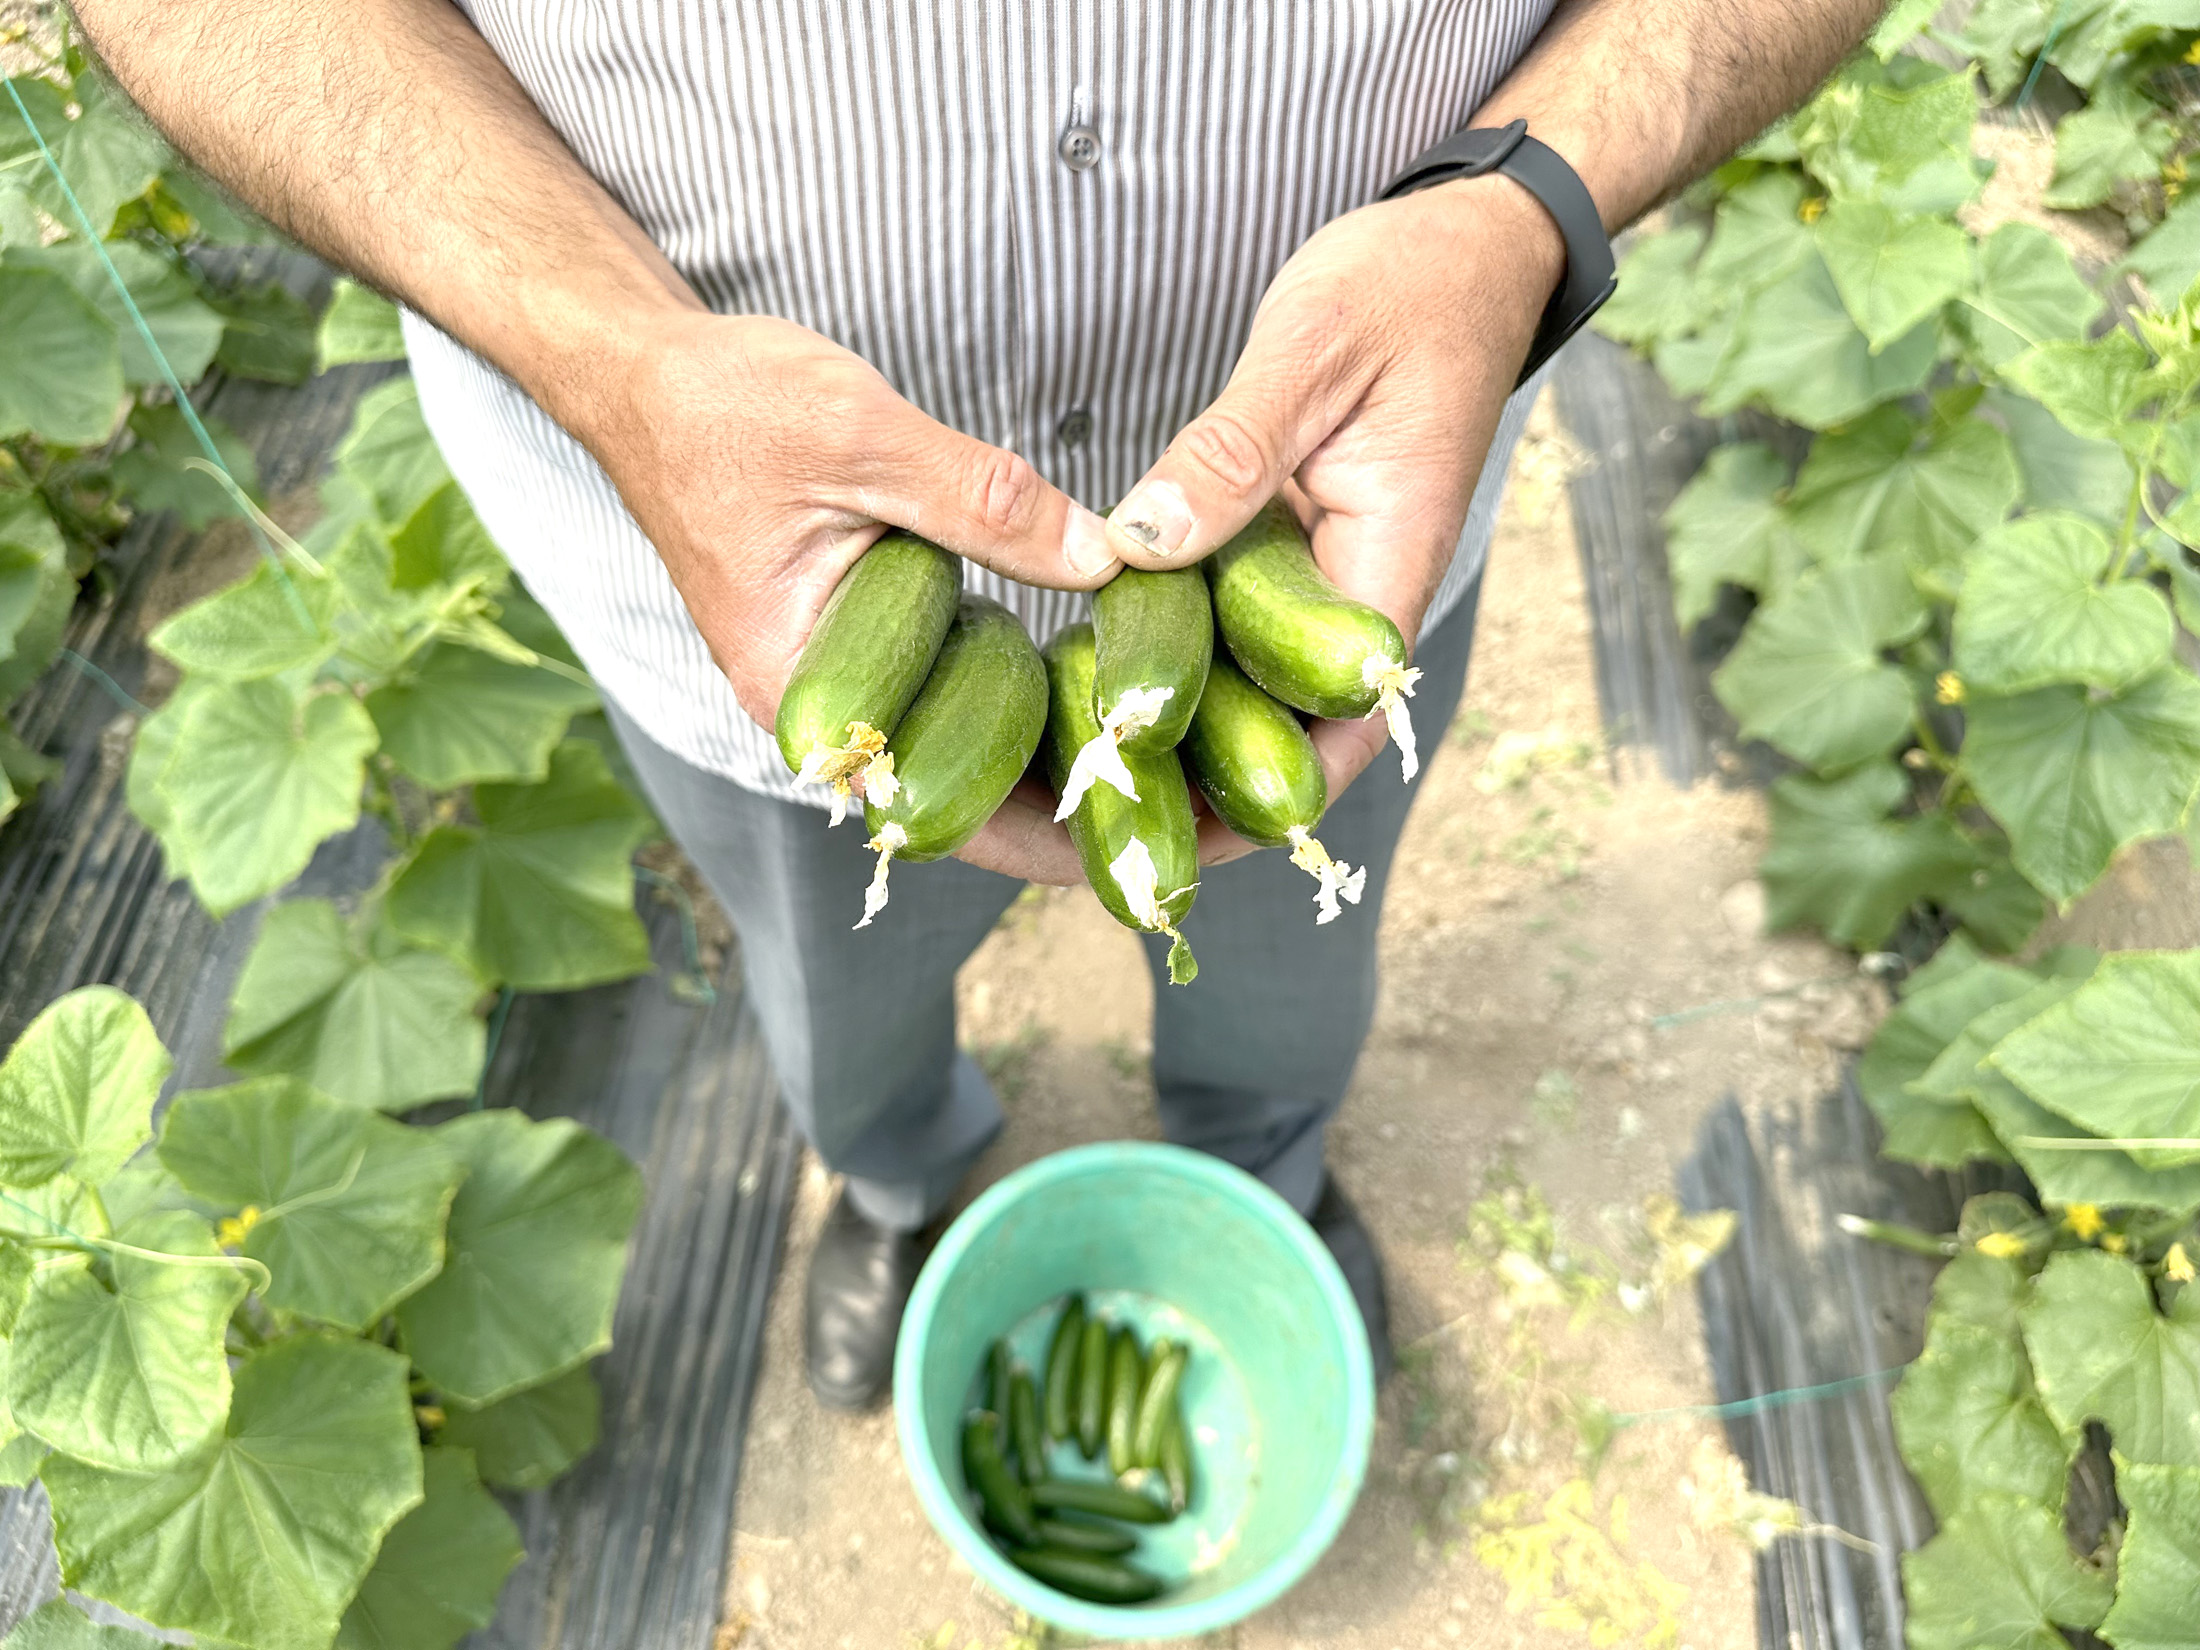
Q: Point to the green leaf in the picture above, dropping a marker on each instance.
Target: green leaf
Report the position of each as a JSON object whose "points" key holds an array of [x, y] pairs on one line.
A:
{"points": [[438, 1574], [2003, 35], [2034, 611], [380, 628], [1907, 1044], [1689, 364], [214, 216], [2091, 387], [2075, 777], [105, 152], [259, 775], [1969, 1420], [16, 1266], [60, 1625], [1898, 133], [1993, 902], [460, 717], [69, 389], [1796, 349], [267, 333], [1840, 864], [1656, 296], [152, 470], [1809, 676], [261, 1539], [1758, 237], [2107, 1179], [183, 324], [37, 591], [351, 1205], [1904, 21], [2028, 292], [359, 325], [2101, 1352], [540, 894], [2062, 471], [1876, 483], [20, 1459], [1892, 271], [1728, 526], [389, 453], [272, 620], [2120, 137], [443, 543], [1999, 1576], [130, 1376], [527, 1441], [358, 1015], [2168, 258], [77, 1089], [2158, 1566], [2121, 1057], [537, 1245], [150, 753]]}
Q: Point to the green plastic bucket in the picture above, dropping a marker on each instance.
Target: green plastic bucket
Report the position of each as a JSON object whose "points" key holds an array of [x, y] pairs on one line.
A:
{"points": [[1278, 1398]]}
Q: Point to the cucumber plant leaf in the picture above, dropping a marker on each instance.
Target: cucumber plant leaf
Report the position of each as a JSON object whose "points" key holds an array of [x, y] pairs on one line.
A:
{"points": [[1898, 133], [358, 1015], [260, 774], [2121, 1056], [1729, 526], [389, 453], [1994, 903], [261, 1538], [272, 620], [2168, 258], [2106, 1179], [541, 893], [442, 542], [154, 470], [1970, 1423], [1904, 1048], [460, 717], [1796, 350], [2091, 387], [1809, 676], [2101, 1351], [105, 151], [2027, 292], [2158, 1565], [536, 1247], [1886, 480], [1758, 237], [77, 1089], [69, 389], [1839, 862], [441, 1567], [267, 333], [129, 1374], [1893, 270], [524, 1441], [60, 1625], [2074, 776], [2063, 471], [2038, 608], [2119, 137], [1656, 296], [183, 324], [2000, 1576], [358, 325], [348, 1207]]}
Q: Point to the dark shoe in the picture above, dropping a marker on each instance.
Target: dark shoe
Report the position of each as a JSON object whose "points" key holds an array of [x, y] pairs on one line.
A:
{"points": [[1338, 1225], [860, 1278]]}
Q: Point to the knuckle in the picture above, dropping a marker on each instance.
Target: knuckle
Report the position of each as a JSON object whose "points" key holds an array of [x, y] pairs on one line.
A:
{"points": [[1228, 449], [1004, 494]]}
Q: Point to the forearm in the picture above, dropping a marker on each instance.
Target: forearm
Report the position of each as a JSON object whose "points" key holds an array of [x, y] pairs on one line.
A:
{"points": [[1641, 96], [385, 135]]}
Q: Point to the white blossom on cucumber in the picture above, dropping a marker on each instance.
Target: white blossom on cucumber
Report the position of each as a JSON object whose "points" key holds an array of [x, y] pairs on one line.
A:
{"points": [[1136, 875], [1332, 877], [890, 840], [1393, 684], [840, 767], [1101, 759]]}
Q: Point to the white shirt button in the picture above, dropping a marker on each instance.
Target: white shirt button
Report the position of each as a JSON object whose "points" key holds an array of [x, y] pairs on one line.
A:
{"points": [[1079, 148]]}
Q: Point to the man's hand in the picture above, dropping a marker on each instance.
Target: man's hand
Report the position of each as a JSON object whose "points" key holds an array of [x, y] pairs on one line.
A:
{"points": [[1368, 392], [762, 460]]}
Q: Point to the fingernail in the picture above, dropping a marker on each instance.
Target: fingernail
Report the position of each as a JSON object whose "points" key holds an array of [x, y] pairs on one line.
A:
{"points": [[1085, 544], [1156, 517]]}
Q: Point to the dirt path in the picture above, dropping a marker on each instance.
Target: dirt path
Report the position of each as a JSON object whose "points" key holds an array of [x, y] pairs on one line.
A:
{"points": [[1526, 1089]]}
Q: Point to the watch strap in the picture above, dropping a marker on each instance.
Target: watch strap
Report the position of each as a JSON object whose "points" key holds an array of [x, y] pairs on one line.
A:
{"points": [[1544, 173]]}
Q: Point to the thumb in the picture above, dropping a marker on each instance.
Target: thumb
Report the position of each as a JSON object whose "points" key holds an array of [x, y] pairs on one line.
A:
{"points": [[984, 503]]}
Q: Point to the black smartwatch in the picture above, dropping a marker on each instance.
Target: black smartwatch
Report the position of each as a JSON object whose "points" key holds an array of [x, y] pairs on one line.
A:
{"points": [[1543, 172]]}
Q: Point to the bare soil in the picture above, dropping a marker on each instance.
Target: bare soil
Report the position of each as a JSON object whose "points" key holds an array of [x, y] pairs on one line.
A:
{"points": [[1573, 975]]}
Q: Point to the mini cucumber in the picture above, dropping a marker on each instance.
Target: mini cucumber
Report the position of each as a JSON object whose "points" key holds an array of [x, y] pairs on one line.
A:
{"points": [[867, 656], [1260, 773], [1092, 1388], [1080, 1537], [1000, 1367], [1092, 1576], [1024, 1428], [1142, 858], [961, 746], [1153, 636], [1176, 1463], [1061, 1378], [1157, 1402], [1302, 638], [1100, 1500], [1126, 1379], [1006, 1503]]}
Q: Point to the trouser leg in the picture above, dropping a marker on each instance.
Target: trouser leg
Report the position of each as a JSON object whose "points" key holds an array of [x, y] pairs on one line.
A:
{"points": [[1252, 1059], [860, 1026]]}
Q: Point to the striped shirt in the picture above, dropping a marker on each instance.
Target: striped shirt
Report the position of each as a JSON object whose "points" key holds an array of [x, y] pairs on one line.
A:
{"points": [[1047, 223]]}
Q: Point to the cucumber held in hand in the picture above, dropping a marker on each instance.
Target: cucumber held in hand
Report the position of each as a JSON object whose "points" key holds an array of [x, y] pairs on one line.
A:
{"points": [[1142, 857], [962, 745], [1262, 776], [1153, 635], [1302, 638], [863, 664]]}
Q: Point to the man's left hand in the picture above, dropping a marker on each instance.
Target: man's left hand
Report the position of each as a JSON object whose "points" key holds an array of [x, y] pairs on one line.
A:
{"points": [[1368, 392]]}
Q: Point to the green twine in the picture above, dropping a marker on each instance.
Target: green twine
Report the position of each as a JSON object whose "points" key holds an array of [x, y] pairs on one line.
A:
{"points": [[1764, 1401], [704, 991], [497, 1018], [2054, 34], [41, 1215], [115, 690]]}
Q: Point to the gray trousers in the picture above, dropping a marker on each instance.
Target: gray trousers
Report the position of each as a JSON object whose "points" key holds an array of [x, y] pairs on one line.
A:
{"points": [[1249, 1062]]}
